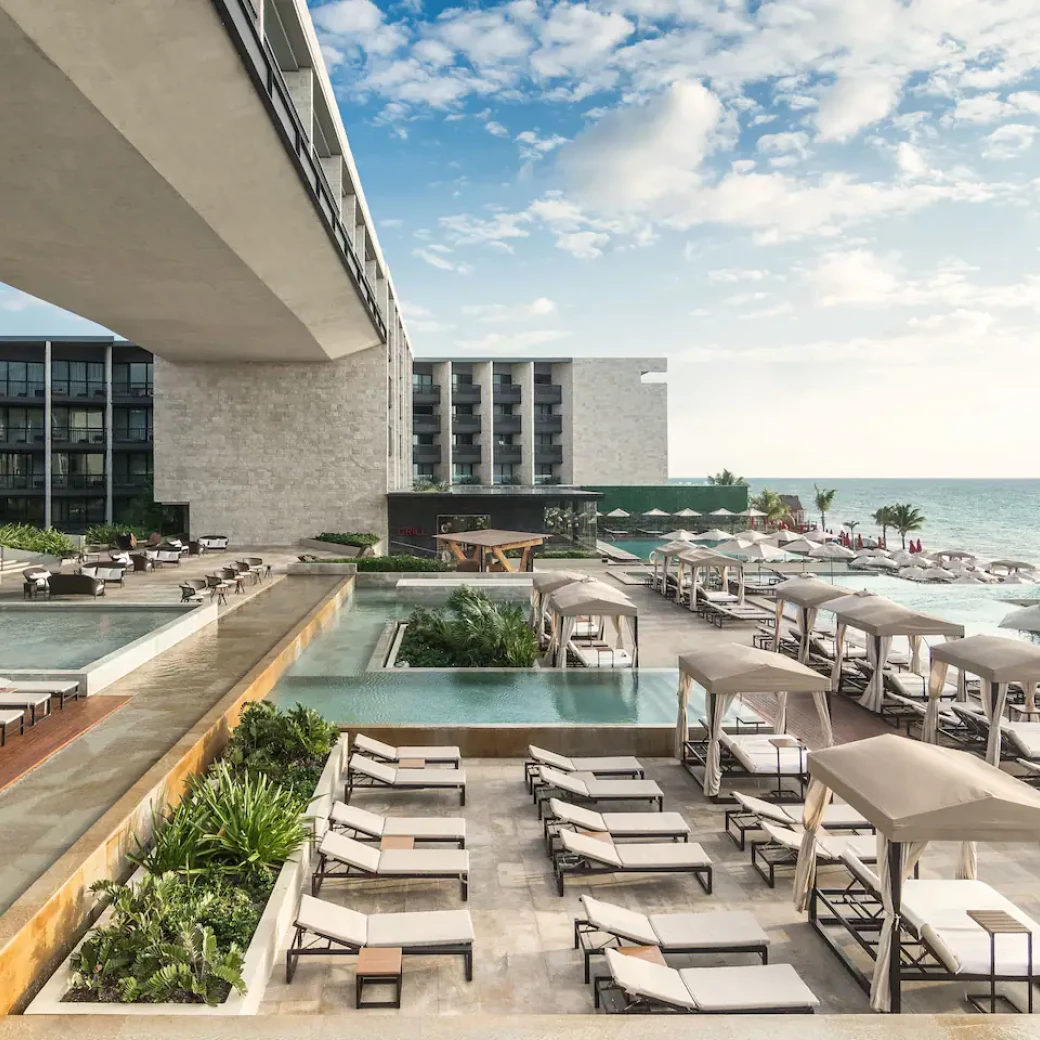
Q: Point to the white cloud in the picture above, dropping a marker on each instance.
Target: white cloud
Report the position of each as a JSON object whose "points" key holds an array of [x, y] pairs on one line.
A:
{"points": [[514, 342], [1009, 141], [534, 147], [422, 319], [496, 129], [464, 229], [585, 245], [742, 299], [855, 102], [738, 274], [499, 312], [436, 258], [360, 23], [784, 143], [575, 39], [853, 276]]}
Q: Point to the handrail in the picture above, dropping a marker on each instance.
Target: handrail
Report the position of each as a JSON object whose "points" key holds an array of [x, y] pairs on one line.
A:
{"points": [[238, 19]]}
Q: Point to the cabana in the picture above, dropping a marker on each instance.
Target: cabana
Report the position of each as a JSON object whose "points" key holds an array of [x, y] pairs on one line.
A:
{"points": [[663, 555], [880, 620], [591, 599], [696, 560], [807, 594], [913, 794], [997, 661], [497, 543], [543, 585], [730, 669]]}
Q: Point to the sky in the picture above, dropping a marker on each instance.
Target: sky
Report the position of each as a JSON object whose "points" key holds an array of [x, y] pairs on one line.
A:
{"points": [[824, 213]]}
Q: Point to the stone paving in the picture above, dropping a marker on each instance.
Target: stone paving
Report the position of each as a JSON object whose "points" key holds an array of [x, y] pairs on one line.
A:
{"points": [[524, 961]]}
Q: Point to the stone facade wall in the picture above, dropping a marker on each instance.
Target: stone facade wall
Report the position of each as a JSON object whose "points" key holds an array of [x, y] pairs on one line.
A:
{"points": [[270, 453], [615, 425]]}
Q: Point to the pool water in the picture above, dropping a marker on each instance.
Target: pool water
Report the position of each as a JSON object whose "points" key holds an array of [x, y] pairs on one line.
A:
{"points": [[70, 637]]}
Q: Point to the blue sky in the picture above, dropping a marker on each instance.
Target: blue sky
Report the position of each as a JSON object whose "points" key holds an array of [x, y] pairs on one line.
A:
{"points": [[823, 212]]}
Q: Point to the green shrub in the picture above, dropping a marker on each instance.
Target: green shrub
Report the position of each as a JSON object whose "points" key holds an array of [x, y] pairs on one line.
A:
{"points": [[35, 539], [472, 632], [570, 554], [399, 563], [106, 534], [360, 539]]}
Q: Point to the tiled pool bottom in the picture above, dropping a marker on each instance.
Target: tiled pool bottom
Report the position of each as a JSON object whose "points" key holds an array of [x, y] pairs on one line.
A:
{"points": [[40, 635]]}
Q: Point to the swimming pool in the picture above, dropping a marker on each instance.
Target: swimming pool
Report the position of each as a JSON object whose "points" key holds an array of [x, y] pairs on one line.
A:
{"points": [[52, 638]]}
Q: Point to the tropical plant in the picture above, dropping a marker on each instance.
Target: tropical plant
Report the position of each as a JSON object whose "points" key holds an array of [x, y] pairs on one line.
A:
{"points": [[35, 539], [472, 632], [884, 518], [774, 507], [823, 498], [725, 478], [431, 484], [906, 518], [399, 562], [106, 534], [361, 539]]}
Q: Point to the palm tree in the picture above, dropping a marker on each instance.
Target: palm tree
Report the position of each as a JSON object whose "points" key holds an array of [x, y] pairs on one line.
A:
{"points": [[726, 479], [883, 518], [905, 519], [824, 498], [770, 502]]}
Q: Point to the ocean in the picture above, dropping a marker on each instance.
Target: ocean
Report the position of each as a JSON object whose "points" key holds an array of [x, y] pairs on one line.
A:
{"points": [[991, 518]]}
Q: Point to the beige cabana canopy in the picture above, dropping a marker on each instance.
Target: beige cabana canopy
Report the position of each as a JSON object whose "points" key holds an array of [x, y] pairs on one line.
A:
{"points": [[729, 669], [696, 560], [807, 594], [543, 584], [997, 661], [913, 793], [880, 620], [590, 599], [662, 558]]}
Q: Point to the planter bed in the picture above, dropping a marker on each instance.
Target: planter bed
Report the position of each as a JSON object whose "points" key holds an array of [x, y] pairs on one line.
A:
{"points": [[260, 955]]}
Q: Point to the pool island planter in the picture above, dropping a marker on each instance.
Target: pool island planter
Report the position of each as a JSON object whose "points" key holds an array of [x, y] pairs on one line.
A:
{"points": [[260, 955]]}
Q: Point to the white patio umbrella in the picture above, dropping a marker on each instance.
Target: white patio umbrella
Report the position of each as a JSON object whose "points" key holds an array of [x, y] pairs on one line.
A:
{"points": [[800, 545], [880, 563], [751, 536], [723, 512], [903, 558], [922, 561], [819, 536], [733, 545], [873, 552], [913, 574], [655, 513], [714, 535], [687, 513], [618, 514], [759, 551], [752, 512], [1025, 620], [682, 535], [782, 537], [831, 551]]}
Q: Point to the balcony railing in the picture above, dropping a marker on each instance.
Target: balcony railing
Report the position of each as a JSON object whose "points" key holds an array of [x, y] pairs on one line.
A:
{"points": [[553, 453], [466, 423], [130, 480], [425, 393], [508, 452], [123, 388], [21, 388], [507, 424], [22, 481], [129, 436], [426, 423], [77, 388], [77, 435], [507, 393], [78, 481], [465, 393], [426, 453], [22, 435], [465, 452], [548, 424], [548, 393]]}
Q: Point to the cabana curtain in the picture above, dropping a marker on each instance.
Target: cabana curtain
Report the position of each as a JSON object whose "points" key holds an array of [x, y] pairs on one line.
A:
{"points": [[877, 653], [718, 705], [816, 801], [682, 722]]}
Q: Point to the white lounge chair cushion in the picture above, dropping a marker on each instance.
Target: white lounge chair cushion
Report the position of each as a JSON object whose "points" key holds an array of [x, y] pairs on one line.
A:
{"points": [[608, 789], [767, 810], [747, 987], [550, 758], [440, 752], [620, 921], [423, 861], [609, 764], [337, 922], [421, 928], [830, 847], [710, 929], [429, 778], [644, 979], [357, 819], [915, 687], [757, 755], [622, 823], [640, 855], [1025, 736], [375, 747], [9, 716], [590, 657], [35, 700], [578, 815], [564, 781], [347, 850], [370, 767], [591, 848], [446, 828]]}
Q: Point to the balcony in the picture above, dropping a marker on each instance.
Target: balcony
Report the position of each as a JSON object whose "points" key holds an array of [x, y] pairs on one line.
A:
{"points": [[78, 388], [428, 393], [426, 453], [507, 424], [465, 453], [21, 390], [465, 393], [426, 423], [548, 393], [550, 454], [22, 482], [130, 481], [77, 436], [132, 437], [78, 481], [548, 424], [466, 423], [508, 452], [22, 436], [138, 392], [507, 393]]}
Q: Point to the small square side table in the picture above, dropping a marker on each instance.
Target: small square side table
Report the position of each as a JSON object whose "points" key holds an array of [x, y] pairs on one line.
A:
{"points": [[379, 967]]}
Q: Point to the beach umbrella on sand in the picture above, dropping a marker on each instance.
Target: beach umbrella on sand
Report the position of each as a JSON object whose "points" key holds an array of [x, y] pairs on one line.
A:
{"points": [[922, 561], [903, 558], [714, 535], [733, 545], [687, 513], [832, 552], [1025, 620], [819, 536], [913, 574], [872, 552], [618, 514]]}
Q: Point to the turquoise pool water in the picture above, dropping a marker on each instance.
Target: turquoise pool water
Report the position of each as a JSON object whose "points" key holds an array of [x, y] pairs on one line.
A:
{"points": [[70, 637]]}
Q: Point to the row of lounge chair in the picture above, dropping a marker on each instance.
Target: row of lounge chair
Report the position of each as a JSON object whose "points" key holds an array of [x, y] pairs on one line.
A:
{"points": [[20, 698]]}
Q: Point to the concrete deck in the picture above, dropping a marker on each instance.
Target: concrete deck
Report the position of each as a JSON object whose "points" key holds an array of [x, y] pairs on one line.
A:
{"points": [[524, 962], [44, 813]]}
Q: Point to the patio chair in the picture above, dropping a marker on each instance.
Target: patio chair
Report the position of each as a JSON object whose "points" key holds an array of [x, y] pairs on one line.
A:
{"points": [[142, 562], [165, 556], [234, 579], [356, 859], [217, 587], [430, 754], [641, 986], [367, 826], [63, 689], [11, 717], [585, 855], [214, 542], [606, 926], [258, 567], [751, 812], [618, 825], [325, 929], [366, 772], [192, 590], [584, 787], [612, 765], [34, 703], [780, 849], [36, 582]]}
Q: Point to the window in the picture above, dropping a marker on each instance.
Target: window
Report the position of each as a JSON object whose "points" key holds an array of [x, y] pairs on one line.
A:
{"points": [[504, 440], [465, 439], [462, 379], [544, 440], [422, 470], [77, 425], [78, 378], [502, 379], [462, 470], [543, 411], [21, 378], [543, 473], [132, 378], [21, 425], [422, 409], [87, 470], [24, 509], [503, 409], [132, 470], [543, 379], [132, 425], [422, 381], [73, 513], [504, 473], [462, 409], [422, 440], [18, 473]]}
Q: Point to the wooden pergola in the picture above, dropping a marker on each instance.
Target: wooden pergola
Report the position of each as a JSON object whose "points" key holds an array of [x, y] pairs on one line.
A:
{"points": [[497, 543]]}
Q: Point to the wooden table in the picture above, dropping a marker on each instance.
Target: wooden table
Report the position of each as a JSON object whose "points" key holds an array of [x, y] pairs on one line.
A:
{"points": [[398, 841], [412, 763], [994, 923], [379, 966]]}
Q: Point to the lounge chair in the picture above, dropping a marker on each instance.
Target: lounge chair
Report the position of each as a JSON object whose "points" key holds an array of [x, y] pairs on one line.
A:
{"points": [[1017, 739], [599, 655], [213, 542], [366, 826], [618, 825], [430, 754], [8, 718], [1030, 771], [63, 689], [739, 613], [781, 845], [641, 986], [365, 772], [753, 756], [750, 814], [712, 931], [586, 788], [358, 859], [325, 929], [34, 703], [584, 855], [611, 765]]}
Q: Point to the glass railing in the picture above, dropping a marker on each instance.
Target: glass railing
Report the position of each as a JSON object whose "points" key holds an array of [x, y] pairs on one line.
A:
{"points": [[131, 436], [21, 481], [77, 435], [78, 481], [22, 435], [21, 388], [129, 389], [76, 388]]}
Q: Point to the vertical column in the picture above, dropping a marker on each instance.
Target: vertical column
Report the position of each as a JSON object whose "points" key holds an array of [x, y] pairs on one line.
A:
{"points": [[301, 89], [563, 374], [348, 214], [333, 170], [442, 378], [483, 376], [47, 434], [523, 375], [108, 434]]}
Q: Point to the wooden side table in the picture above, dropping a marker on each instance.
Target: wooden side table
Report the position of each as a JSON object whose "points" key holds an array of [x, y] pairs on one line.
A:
{"points": [[400, 841], [379, 967], [994, 923], [412, 763], [601, 984], [780, 743]]}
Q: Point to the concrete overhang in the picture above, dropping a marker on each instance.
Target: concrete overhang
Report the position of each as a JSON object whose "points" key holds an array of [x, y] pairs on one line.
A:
{"points": [[145, 186]]}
